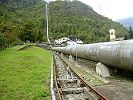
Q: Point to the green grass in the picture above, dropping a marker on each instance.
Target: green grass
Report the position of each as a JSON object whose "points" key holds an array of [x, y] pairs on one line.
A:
{"points": [[90, 79], [82, 72], [25, 74]]}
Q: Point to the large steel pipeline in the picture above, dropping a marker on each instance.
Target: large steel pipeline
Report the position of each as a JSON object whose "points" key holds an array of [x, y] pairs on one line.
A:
{"points": [[117, 54]]}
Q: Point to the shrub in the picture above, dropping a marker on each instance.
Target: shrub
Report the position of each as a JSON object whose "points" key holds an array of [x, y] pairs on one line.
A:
{"points": [[3, 42]]}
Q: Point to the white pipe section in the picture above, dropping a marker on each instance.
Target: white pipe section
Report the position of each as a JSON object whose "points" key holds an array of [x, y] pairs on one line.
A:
{"points": [[117, 54], [47, 22]]}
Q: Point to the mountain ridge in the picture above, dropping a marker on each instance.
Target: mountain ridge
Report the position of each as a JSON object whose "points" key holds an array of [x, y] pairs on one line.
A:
{"points": [[127, 21], [74, 19]]}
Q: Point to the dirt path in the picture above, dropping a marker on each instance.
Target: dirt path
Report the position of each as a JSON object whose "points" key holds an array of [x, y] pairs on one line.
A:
{"points": [[117, 90]]}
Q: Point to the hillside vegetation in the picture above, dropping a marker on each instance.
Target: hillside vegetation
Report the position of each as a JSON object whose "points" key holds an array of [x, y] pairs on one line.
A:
{"points": [[25, 74], [22, 20]]}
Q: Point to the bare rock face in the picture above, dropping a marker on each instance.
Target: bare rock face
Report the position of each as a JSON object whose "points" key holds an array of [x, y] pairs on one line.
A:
{"points": [[102, 70]]}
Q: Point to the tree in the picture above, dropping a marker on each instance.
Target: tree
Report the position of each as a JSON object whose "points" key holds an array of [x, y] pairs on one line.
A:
{"points": [[28, 32], [130, 32], [3, 42], [40, 36]]}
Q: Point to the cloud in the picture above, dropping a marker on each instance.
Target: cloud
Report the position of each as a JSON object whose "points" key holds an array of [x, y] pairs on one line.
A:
{"points": [[114, 9]]}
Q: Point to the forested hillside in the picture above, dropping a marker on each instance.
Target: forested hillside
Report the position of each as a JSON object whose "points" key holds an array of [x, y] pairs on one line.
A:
{"points": [[22, 20]]}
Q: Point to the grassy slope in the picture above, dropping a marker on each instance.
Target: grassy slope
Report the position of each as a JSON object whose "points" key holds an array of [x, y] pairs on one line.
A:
{"points": [[24, 74]]}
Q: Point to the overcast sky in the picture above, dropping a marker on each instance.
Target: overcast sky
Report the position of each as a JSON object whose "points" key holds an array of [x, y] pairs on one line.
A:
{"points": [[114, 9]]}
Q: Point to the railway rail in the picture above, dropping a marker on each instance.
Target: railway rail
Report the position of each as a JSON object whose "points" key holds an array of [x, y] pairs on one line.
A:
{"points": [[70, 86]]}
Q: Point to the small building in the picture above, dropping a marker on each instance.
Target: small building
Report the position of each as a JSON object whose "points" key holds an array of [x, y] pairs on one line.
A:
{"points": [[112, 34], [113, 37], [65, 41], [74, 43], [61, 40], [71, 43], [78, 41]]}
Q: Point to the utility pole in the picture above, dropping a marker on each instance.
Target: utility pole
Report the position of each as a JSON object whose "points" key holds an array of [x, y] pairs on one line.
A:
{"points": [[47, 21]]}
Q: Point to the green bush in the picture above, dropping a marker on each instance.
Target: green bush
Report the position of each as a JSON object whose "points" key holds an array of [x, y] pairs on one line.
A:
{"points": [[3, 42]]}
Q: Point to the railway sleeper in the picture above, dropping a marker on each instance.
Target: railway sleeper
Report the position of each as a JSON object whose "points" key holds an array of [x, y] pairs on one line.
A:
{"points": [[72, 90], [80, 93], [68, 80]]}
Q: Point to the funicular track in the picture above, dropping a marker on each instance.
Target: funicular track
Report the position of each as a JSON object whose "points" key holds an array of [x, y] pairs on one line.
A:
{"points": [[70, 86]]}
